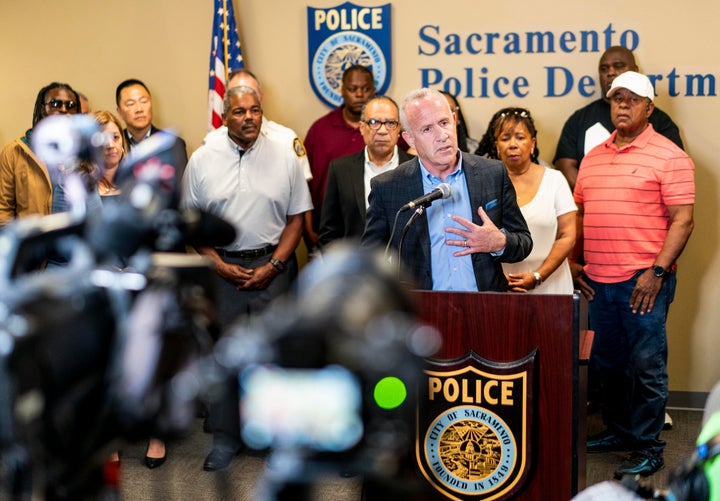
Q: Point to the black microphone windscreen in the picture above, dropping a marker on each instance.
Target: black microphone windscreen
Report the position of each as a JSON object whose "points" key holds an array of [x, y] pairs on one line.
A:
{"points": [[119, 230], [202, 228]]}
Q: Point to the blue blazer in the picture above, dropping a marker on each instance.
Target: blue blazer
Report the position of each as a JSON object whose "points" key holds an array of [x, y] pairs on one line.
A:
{"points": [[489, 187]]}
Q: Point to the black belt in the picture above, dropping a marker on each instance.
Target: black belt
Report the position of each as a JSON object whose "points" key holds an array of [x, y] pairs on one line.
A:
{"points": [[248, 254]]}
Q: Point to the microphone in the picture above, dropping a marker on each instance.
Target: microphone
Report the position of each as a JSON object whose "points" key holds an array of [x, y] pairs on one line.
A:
{"points": [[442, 191]]}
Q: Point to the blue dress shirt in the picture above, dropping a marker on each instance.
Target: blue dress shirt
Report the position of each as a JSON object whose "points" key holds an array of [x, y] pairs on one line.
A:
{"points": [[449, 273]]}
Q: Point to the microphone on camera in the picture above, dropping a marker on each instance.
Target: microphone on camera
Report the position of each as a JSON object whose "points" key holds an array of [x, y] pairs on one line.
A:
{"points": [[442, 191]]}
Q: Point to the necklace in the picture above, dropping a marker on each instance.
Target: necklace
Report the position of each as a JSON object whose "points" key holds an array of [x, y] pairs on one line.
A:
{"points": [[107, 186]]}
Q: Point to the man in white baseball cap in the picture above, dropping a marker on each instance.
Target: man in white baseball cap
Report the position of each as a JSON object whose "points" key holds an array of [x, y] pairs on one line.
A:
{"points": [[635, 194], [591, 125], [635, 82]]}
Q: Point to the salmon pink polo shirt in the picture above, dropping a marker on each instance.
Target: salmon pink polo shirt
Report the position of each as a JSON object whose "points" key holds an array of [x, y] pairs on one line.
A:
{"points": [[625, 193]]}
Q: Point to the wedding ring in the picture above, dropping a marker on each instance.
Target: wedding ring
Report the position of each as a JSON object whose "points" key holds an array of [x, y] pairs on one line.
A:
{"points": [[466, 243]]}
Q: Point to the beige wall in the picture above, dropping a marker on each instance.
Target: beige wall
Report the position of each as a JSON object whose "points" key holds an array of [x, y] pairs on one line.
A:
{"points": [[94, 45]]}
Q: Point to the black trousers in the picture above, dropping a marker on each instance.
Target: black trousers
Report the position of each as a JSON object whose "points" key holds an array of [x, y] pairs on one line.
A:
{"points": [[232, 304]]}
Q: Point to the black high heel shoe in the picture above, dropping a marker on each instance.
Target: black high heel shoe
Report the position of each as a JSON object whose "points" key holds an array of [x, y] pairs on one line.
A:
{"points": [[153, 463]]}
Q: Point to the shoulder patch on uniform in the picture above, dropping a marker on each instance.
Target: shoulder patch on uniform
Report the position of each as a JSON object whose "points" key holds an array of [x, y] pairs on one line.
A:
{"points": [[299, 147]]}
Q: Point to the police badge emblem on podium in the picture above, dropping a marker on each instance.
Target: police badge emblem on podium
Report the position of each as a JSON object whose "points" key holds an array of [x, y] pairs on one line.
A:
{"points": [[474, 426]]}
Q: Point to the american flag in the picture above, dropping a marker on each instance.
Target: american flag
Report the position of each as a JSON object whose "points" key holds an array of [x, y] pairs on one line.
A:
{"points": [[225, 56]]}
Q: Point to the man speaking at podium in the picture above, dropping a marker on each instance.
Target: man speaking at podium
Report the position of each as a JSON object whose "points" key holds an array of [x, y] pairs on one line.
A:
{"points": [[459, 242]]}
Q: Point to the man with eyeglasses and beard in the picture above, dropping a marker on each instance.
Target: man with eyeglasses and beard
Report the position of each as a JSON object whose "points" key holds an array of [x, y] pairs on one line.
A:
{"points": [[25, 184], [348, 184]]}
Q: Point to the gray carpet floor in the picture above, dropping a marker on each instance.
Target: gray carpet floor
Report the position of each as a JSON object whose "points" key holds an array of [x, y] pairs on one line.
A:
{"points": [[680, 445], [181, 478]]}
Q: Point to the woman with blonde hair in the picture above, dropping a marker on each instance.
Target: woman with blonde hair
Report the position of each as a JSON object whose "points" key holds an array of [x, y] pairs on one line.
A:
{"points": [[113, 152]]}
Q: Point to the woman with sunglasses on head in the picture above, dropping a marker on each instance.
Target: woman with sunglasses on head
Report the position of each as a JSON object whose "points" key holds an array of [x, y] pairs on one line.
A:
{"points": [[546, 203], [25, 185]]}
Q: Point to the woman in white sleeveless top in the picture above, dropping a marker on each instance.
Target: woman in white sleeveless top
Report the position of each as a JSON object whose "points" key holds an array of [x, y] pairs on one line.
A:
{"points": [[546, 202]]}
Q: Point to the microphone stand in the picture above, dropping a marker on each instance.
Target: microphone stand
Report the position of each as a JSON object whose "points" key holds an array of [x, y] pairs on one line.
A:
{"points": [[418, 212]]}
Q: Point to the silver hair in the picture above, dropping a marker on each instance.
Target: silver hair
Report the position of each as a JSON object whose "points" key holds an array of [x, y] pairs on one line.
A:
{"points": [[241, 90], [418, 95]]}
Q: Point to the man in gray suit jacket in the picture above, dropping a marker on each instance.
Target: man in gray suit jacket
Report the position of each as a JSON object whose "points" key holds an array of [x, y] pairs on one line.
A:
{"points": [[459, 242], [348, 184]]}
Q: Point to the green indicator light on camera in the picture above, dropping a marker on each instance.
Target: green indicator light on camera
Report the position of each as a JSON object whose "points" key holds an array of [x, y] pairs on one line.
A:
{"points": [[390, 392]]}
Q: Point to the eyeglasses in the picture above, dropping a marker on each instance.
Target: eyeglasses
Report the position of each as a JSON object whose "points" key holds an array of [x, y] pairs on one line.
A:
{"points": [[58, 103], [376, 124]]}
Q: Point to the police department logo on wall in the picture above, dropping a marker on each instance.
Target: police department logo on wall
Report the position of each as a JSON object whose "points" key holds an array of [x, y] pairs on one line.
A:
{"points": [[474, 426], [342, 36]]}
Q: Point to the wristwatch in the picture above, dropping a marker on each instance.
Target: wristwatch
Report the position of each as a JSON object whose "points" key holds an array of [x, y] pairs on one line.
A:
{"points": [[538, 278], [659, 271], [279, 265]]}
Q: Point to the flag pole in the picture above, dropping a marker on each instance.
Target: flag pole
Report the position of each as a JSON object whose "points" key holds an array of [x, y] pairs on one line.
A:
{"points": [[225, 39]]}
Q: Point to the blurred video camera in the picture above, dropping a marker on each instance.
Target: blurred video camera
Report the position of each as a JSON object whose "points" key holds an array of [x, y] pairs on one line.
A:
{"points": [[108, 346], [328, 377], [118, 343]]}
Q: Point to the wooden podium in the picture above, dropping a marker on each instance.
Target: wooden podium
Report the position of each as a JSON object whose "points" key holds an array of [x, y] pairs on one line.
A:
{"points": [[503, 329]]}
